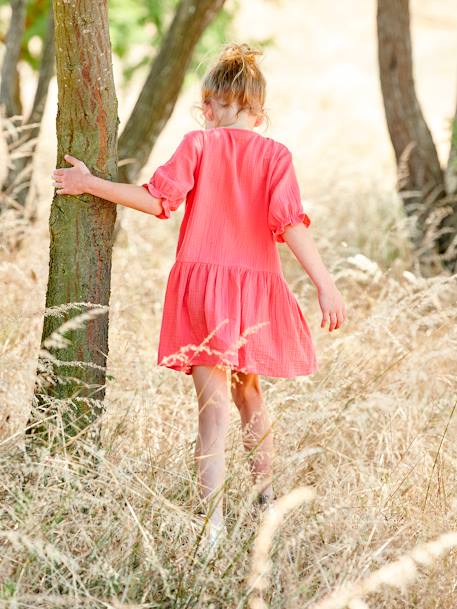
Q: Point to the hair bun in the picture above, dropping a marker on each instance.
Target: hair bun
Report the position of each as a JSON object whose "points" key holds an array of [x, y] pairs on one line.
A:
{"points": [[240, 53]]}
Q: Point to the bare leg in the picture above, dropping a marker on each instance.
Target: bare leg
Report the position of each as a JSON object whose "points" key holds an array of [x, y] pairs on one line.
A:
{"points": [[256, 427], [213, 420]]}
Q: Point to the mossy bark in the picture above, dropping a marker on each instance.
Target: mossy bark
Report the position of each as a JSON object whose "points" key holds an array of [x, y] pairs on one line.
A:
{"points": [[71, 376]]}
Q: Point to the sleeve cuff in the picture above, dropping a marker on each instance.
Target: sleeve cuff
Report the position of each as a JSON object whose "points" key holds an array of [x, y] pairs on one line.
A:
{"points": [[164, 202], [301, 218]]}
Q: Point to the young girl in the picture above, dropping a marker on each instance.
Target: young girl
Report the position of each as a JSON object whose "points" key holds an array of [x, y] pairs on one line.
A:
{"points": [[227, 305]]}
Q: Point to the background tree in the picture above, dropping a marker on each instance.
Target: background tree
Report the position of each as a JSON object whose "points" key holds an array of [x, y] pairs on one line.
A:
{"points": [[9, 90], [23, 141], [428, 195], [163, 84]]}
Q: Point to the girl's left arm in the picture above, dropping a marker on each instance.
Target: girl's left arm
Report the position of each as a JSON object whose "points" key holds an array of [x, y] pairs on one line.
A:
{"points": [[78, 180]]}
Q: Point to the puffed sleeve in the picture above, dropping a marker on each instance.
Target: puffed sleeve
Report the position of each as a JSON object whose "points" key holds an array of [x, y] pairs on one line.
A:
{"points": [[174, 179], [285, 206]]}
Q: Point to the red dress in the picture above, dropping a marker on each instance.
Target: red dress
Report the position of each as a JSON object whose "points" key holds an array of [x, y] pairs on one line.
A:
{"points": [[226, 300]]}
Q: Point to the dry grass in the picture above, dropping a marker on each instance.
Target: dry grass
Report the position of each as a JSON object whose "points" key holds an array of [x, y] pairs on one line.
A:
{"points": [[374, 432]]}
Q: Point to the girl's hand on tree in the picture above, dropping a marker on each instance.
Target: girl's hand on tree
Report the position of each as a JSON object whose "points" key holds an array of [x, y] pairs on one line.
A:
{"points": [[332, 306], [71, 180]]}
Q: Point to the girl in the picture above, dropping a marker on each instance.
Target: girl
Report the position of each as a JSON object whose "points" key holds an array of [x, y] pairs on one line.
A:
{"points": [[227, 305]]}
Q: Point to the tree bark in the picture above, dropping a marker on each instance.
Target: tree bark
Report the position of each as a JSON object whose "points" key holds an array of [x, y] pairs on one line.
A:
{"points": [[9, 89], [421, 182], [71, 376]]}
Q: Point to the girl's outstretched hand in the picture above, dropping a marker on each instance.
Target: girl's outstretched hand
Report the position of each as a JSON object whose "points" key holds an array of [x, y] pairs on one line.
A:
{"points": [[332, 307], [71, 180]]}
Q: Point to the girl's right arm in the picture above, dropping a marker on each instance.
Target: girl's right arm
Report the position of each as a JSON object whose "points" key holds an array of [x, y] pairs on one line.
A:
{"points": [[78, 180], [300, 240], [128, 195]]}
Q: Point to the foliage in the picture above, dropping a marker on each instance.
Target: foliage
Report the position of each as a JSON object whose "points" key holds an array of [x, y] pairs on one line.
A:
{"points": [[136, 32], [143, 24], [35, 25]]}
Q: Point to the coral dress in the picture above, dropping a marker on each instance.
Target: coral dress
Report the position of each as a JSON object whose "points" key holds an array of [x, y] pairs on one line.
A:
{"points": [[227, 302]]}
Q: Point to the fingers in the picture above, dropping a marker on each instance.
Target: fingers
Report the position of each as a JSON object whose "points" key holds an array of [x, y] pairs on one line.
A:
{"points": [[59, 174], [61, 170], [329, 316], [332, 322], [341, 317], [333, 310], [59, 186], [71, 159], [325, 319], [335, 319]]}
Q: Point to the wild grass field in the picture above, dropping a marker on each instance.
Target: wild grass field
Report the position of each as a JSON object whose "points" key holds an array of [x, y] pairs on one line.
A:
{"points": [[365, 449]]}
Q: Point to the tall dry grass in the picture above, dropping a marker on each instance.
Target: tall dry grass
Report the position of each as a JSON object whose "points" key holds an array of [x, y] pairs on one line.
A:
{"points": [[370, 439]]}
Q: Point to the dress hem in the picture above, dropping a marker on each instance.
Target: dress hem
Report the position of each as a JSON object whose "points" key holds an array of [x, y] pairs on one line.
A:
{"points": [[187, 369]]}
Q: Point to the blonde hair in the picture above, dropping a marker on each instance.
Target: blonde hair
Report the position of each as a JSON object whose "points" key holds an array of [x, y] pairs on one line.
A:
{"points": [[236, 76]]}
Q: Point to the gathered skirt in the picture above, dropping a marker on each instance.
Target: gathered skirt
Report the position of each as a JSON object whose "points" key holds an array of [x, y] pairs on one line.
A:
{"points": [[234, 316]]}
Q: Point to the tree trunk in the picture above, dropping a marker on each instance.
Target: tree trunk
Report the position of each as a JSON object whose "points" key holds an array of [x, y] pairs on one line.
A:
{"points": [[451, 169], [46, 73], [421, 182], [9, 89], [448, 241], [163, 84], [71, 375]]}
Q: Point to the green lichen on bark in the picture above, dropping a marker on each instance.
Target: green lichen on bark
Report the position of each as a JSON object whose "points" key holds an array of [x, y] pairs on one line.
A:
{"points": [[81, 227]]}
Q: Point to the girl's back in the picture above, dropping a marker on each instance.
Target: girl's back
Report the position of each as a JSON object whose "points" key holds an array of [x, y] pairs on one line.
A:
{"points": [[241, 191]]}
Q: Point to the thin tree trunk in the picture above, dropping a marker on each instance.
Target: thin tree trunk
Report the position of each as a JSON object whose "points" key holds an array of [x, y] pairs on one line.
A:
{"points": [[451, 169], [81, 227], [448, 241], [421, 183], [163, 84], [9, 89], [19, 177], [47, 66]]}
